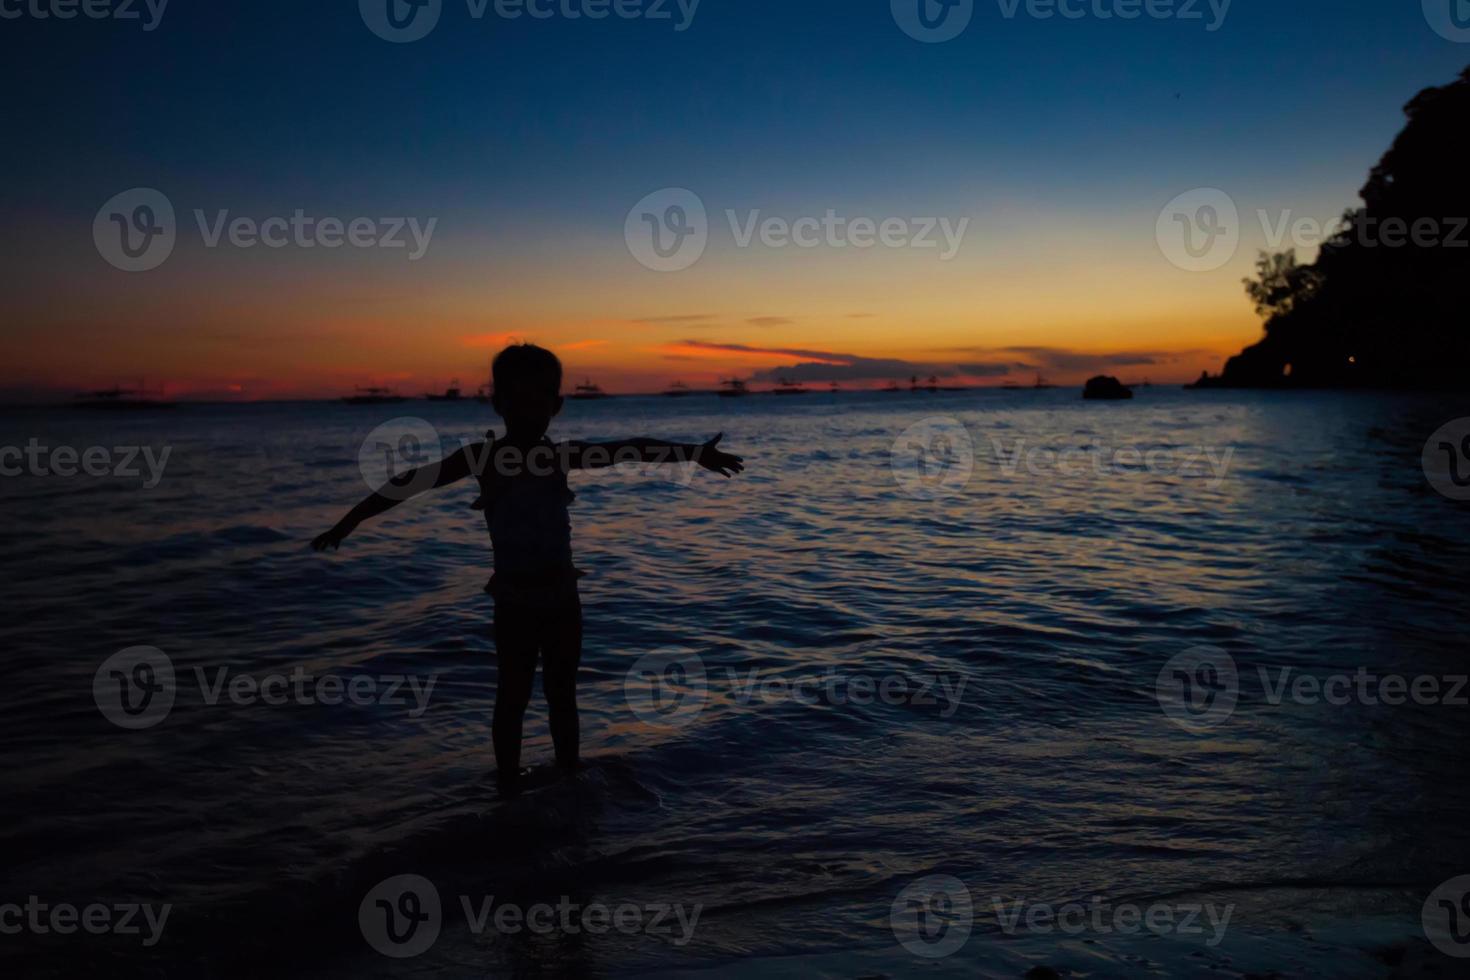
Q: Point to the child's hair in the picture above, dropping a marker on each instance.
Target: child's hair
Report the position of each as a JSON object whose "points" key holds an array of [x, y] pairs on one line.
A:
{"points": [[526, 361]]}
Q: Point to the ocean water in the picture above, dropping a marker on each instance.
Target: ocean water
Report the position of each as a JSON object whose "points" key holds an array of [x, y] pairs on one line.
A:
{"points": [[908, 642]]}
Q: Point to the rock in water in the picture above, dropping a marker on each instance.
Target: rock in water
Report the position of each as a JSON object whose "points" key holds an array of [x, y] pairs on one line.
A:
{"points": [[1106, 388]]}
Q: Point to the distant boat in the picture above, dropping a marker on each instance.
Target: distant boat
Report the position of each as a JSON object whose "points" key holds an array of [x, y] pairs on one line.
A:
{"points": [[116, 399], [485, 391], [785, 386], [587, 391], [734, 388], [677, 390], [1042, 384], [836, 388], [892, 387], [375, 396], [451, 394]]}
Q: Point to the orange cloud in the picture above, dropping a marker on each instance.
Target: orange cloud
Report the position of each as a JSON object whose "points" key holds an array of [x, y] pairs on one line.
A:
{"points": [[701, 349]]}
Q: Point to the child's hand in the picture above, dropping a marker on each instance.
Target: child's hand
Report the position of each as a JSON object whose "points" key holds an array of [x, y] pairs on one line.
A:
{"points": [[722, 463], [332, 539]]}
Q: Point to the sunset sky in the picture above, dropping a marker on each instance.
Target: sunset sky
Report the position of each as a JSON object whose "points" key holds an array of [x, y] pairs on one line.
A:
{"points": [[529, 141]]}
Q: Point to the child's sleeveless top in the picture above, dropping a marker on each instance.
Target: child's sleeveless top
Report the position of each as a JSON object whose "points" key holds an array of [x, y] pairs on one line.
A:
{"points": [[530, 526]]}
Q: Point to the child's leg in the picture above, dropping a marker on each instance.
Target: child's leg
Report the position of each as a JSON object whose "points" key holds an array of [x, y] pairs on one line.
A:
{"points": [[561, 654], [515, 665]]}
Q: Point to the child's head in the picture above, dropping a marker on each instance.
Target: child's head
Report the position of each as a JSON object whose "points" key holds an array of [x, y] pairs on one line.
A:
{"points": [[527, 388]]}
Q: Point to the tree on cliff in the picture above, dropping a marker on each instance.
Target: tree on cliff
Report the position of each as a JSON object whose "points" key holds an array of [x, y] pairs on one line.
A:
{"points": [[1384, 303]]}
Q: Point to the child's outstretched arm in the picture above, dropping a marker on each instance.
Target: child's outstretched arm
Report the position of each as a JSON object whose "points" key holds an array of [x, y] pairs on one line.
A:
{"points": [[597, 455], [403, 487]]}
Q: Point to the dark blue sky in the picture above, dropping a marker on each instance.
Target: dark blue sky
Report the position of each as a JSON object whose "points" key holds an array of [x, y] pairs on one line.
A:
{"points": [[777, 96]]}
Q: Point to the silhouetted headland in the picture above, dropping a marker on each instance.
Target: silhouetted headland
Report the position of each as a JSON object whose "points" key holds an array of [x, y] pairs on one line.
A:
{"points": [[1382, 306]]}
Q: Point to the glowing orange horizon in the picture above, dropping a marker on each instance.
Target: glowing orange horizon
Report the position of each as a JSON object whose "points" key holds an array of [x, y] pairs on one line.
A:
{"points": [[284, 332]]}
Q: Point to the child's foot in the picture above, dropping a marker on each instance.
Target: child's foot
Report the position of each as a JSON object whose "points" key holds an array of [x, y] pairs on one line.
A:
{"points": [[510, 783]]}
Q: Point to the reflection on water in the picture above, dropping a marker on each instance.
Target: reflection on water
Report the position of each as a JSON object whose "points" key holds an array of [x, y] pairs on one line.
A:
{"points": [[1034, 597]]}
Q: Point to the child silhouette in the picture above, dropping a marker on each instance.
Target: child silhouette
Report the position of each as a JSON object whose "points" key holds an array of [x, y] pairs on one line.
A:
{"points": [[524, 494]]}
